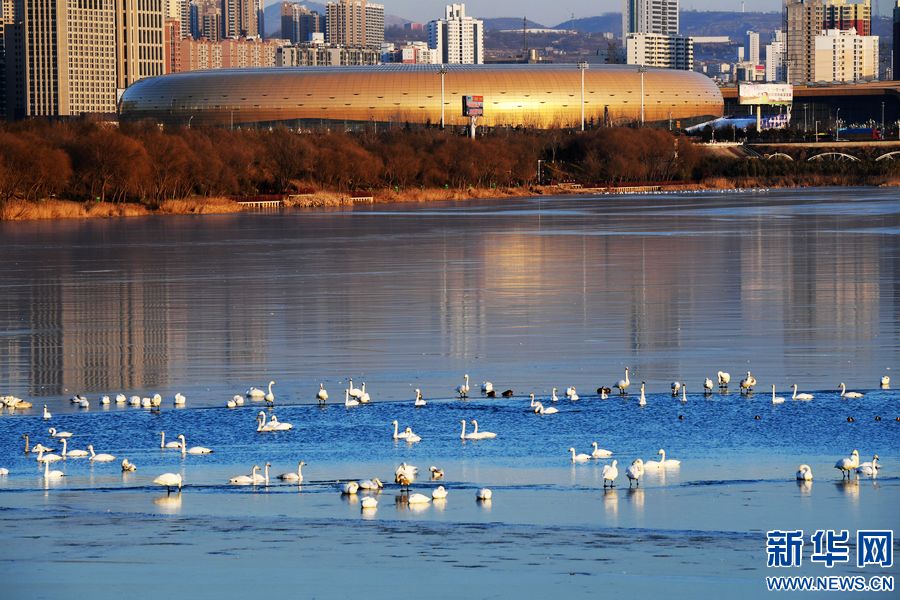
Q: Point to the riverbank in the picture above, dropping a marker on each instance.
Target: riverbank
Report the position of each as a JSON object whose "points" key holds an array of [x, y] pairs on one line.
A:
{"points": [[53, 209]]}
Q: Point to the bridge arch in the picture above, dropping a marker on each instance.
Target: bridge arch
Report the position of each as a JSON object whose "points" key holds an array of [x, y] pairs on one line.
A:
{"points": [[833, 156], [779, 156], [889, 156]]}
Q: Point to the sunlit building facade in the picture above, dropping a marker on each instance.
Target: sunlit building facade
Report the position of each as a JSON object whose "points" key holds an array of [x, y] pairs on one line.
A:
{"points": [[541, 96]]}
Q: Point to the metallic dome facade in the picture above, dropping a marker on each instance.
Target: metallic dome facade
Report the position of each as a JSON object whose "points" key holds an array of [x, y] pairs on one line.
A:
{"points": [[542, 96]]}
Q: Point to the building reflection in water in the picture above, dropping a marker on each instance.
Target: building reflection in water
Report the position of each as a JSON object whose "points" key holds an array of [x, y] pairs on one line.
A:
{"points": [[574, 286]]}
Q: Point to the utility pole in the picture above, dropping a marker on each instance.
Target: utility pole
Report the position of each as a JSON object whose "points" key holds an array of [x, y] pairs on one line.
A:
{"points": [[642, 69], [442, 71], [582, 66]]}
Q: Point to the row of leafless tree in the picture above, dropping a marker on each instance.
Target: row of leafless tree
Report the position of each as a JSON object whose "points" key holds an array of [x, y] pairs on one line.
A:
{"points": [[85, 160]]}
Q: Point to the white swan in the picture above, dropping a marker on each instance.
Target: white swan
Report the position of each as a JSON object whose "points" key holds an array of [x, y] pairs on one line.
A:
{"points": [[371, 485], [121, 399], [238, 399], [180, 399], [194, 450], [885, 381], [418, 499], [104, 400], [436, 473], [848, 465], [46, 458], [59, 434], [4, 471], [397, 434], [100, 457], [869, 469], [66, 453], [322, 394], [553, 396], [255, 393], [264, 478], [245, 479], [411, 438], [231, 403], [571, 393], [462, 390], [364, 395], [707, 385], [169, 481], [420, 401], [439, 493], [270, 397], [368, 503], [171, 445], [846, 394], [623, 384], [348, 401], [405, 472], [804, 473], [487, 387], [156, 400], [47, 415], [635, 471], [484, 494], [261, 425], [354, 392], [676, 387], [294, 477], [600, 452], [662, 462], [797, 396], [134, 401], [128, 466], [277, 425], [464, 435], [350, 488], [610, 473], [723, 378], [578, 458], [48, 474], [643, 399], [539, 409], [776, 400], [482, 435], [683, 393], [146, 403], [748, 383]]}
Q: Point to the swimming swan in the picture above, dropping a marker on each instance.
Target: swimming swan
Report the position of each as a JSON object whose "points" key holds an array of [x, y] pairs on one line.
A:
{"points": [[419, 400], [264, 478], [47, 415], [100, 457], [600, 452], [484, 494], [439, 493], [539, 409], [348, 401], [662, 462], [59, 434], [482, 435], [643, 399], [66, 453], [464, 435], [804, 473], [48, 474], [194, 450], [411, 437], [163, 444], [578, 458], [779, 399], [869, 469], [294, 477], [846, 394], [245, 479], [180, 399], [397, 434], [797, 396]]}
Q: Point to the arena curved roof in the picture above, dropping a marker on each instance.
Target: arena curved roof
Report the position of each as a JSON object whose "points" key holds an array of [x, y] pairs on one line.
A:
{"points": [[541, 96]]}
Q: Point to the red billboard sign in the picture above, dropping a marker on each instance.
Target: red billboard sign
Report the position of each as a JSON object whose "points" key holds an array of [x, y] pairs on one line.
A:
{"points": [[473, 106]]}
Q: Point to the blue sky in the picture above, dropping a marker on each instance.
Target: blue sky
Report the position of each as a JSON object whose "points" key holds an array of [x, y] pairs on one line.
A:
{"points": [[550, 12]]}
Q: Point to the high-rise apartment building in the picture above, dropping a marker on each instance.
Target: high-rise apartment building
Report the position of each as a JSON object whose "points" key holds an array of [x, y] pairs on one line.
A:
{"points": [[67, 54], [6, 14], [650, 16], [240, 19], [458, 39], [806, 19], [896, 69], [298, 23], [139, 40], [753, 47], [845, 56], [775, 58], [354, 23], [663, 51], [180, 10]]}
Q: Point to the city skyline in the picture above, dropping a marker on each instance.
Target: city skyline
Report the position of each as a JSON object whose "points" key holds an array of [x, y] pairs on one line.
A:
{"points": [[547, 13]]}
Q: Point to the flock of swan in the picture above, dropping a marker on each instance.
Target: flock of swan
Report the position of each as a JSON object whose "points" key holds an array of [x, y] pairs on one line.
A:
{"points": [[406, 474]]}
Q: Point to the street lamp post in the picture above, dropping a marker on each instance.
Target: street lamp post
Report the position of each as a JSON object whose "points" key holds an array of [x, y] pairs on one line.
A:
{"points": [[642, 69], [817, 132], [837, 126], [882, 120], [805, 128], [582, 66], [539, 178], [442, 71]]}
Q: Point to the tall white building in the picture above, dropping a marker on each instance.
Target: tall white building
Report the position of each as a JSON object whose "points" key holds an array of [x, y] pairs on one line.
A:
{"points": [[775, 52], [663, 51], [650, 16], [843, 55], [753, 47], [458, 39]]}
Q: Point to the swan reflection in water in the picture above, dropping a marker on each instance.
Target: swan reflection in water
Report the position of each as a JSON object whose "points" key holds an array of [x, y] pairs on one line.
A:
{"points": [[636, 497], [850, 488], [169, 504], [805, 487], [611, 502]]}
